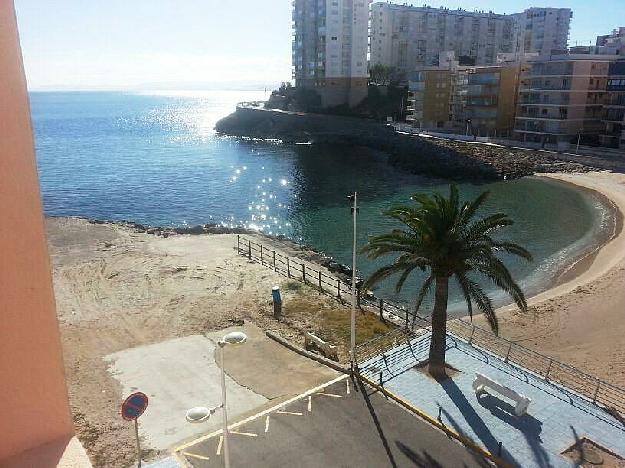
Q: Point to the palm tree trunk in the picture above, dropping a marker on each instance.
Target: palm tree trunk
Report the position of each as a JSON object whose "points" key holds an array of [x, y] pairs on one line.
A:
{"points": [[436, 360]]}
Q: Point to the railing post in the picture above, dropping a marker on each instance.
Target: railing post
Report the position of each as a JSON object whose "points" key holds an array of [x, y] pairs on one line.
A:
{"points": [[594, 397], [274, 260], [249, 249], [320, 285], [382, 310], [288, 268], [358, 297], [338, 288], [548, 369], [406, 314], [304, 273], [261, 254], [508, 353], [471, 337]]}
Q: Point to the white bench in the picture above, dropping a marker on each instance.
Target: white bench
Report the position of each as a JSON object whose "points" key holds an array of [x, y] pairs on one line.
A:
{"points": [[481, 383]]}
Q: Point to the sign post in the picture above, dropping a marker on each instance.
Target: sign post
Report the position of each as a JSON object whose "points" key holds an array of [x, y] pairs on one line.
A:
{"points": [[132, 408]]}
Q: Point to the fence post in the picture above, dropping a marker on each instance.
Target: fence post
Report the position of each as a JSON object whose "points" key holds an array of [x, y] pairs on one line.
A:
{"points": [[358, 297], [261, 254], [320, 285], [594, 397], [406, 314], [249, 249], [338, 288], [274, 260], [304, 273], [471, 337], [288, 268], [382, 310], [508, 353], [548, 369]]}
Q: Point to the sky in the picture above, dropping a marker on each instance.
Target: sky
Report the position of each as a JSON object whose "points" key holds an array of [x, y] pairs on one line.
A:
{"points": [[195, 44]]}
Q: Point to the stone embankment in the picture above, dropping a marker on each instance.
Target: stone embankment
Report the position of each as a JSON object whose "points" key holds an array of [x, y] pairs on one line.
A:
{"points": [[429, 156]]}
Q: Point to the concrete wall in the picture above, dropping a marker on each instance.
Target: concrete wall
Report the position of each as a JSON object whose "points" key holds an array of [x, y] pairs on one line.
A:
{"points": [[34, 409]]}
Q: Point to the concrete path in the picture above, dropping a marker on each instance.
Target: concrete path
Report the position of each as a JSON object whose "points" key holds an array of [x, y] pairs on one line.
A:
{"points": [[185, 372]]}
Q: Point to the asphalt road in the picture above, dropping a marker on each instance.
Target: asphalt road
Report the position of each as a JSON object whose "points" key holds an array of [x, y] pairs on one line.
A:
{"points": [[334, 428]]}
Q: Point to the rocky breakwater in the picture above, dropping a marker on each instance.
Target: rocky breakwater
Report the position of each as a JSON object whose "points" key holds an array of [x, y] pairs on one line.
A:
{"points": [[428, 156]]}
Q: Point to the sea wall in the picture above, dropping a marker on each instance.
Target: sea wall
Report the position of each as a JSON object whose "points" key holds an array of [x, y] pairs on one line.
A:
{"points": [[429, 156]]}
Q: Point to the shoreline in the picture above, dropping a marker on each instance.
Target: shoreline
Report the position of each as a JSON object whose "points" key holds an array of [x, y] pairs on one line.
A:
{"points": [[595, 263]]}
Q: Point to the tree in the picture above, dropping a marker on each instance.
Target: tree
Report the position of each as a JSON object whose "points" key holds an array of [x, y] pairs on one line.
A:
{"points": [[380, 74], [443, 238]]}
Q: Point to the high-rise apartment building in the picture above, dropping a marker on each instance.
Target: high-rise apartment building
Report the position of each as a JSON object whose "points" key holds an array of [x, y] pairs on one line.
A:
{"points": [[542, 30], [406, 37], [561, 98], [330, 49], [612, 44]]}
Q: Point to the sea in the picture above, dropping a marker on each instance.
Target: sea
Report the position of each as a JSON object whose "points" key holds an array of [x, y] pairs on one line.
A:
{"points": [[153, 157]]}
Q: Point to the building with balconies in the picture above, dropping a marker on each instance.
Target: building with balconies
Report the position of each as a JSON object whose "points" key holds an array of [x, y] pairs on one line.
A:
{"points": [[561, 98], [330, 49], [614, 107]]}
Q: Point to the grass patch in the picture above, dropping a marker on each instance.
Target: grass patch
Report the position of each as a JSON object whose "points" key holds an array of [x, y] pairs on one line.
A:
{"points": [[293, 286]]}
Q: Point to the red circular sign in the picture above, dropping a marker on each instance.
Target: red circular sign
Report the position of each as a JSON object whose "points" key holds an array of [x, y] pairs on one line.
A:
{"points": [[134, 406]]}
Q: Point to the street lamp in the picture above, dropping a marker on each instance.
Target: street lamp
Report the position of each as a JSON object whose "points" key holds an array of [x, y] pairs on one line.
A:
{"points": [[353, 198], [200, 414]]}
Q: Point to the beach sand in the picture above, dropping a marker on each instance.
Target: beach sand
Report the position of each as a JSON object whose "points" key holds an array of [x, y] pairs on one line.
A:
{"points": [[581, 322]]}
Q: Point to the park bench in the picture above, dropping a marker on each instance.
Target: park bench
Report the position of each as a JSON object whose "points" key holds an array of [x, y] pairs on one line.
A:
{"points": [[481, 383]]}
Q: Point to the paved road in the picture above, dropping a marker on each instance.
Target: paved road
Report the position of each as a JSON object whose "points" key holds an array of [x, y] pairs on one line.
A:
{"points": [[336, 427]]}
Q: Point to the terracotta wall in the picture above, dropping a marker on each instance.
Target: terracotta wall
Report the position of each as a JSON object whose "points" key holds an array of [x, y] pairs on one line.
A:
{"points": [[33, 397]]}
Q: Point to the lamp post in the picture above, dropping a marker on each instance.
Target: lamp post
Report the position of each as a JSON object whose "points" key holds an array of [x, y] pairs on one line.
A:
{"points": [[352, 353], [200, 414]]}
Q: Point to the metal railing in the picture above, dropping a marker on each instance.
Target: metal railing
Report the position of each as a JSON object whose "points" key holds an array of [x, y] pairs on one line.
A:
{"points": [[608, 396]]}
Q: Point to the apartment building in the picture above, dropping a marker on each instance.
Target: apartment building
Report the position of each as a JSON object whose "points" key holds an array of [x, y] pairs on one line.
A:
{"points": [[613, 134], [612, 44], [406, 37], [330, 49], [542, 30], [474, 100], [561, 98]]}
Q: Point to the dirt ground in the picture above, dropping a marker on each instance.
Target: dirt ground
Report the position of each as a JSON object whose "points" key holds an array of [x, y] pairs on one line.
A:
{"points": [[117, 289]]}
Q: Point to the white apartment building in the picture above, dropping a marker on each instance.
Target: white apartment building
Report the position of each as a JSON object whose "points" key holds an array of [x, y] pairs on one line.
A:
{"points": [[330, 49], [542, 30], [406, 37]]}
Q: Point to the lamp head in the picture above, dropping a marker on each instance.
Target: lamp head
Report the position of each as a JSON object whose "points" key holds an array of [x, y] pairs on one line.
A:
{"points": [[235, 338], [199, 414]]}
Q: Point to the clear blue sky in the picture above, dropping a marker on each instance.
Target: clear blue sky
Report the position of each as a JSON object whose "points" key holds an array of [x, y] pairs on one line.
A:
{"points": [[193, 43]]}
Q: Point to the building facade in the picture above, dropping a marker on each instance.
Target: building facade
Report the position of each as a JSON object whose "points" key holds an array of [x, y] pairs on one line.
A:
{"points": [[406, 37], [614, 108], [612, 44], [330, 49], [561, 98], [542, 30], [479, 101]]}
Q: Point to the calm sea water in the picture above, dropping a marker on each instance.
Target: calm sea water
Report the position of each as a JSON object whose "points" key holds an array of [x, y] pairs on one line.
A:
{"points": [[154, 158]]}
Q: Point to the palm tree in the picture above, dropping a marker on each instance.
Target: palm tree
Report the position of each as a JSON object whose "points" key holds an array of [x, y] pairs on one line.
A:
{"points": [[444, 238]]}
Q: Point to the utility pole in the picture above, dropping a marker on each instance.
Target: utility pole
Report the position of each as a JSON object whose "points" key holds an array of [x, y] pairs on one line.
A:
{"points": [[354, 199]]}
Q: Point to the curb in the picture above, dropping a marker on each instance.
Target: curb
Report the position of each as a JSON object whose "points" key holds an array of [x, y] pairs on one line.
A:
{"points": [[315, 357]]}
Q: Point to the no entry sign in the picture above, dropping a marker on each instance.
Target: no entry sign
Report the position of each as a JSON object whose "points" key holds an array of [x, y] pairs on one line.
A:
{"points": [[134, 406]]}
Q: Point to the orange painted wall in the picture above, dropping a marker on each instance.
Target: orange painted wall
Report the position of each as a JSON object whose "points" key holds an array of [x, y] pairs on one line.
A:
{"points": [[33, 398]]}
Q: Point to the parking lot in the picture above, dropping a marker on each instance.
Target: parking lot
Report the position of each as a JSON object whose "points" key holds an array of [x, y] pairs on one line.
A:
{"points": [[338, 425]]}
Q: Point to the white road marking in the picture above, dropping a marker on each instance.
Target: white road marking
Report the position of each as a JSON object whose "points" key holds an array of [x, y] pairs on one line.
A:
{"points": [[289, 412], [248, 434], [221, 440], [312, 391], [347, 382], [267, 424], [195, 455], [333, 395], [309, 403]]}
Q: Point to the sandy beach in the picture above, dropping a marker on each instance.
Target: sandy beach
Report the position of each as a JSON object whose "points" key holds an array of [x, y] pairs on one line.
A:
{"points": [[117, 289], [581, 322]]}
